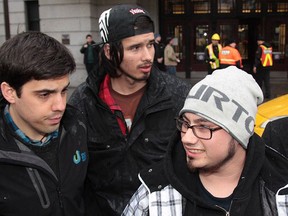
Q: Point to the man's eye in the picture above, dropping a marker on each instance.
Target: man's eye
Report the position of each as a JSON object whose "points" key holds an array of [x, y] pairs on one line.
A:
{"points": [[135, 48], [64, 91], [201, 128], [186, 124], [44, 95], [150, 45]]}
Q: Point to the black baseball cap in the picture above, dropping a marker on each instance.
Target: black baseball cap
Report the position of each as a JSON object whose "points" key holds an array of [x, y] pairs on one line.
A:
{"points": [[122, 21]]}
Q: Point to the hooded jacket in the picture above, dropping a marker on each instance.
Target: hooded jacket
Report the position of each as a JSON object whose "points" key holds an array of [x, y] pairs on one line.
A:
{"points": [[28, 185], [169, 188], [116, 159]]}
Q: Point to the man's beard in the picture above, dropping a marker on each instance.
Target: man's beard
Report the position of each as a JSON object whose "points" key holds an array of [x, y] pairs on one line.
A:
{"points": [[215, 167], [143, 78]]}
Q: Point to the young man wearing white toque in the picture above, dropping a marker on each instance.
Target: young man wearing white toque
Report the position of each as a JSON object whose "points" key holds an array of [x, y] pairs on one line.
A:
{"points": [[216, 164]]}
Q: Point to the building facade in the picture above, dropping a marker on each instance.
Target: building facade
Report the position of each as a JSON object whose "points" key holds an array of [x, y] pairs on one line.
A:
{"points": [[192, 22]]}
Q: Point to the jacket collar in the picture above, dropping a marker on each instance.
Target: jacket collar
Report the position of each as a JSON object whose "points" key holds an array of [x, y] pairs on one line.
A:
{"points": [[179, 175], [156, 85]]}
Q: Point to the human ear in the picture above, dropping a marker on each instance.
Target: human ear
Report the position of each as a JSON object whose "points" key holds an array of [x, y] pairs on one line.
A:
{"points": [[107, 51], [8, 92]]}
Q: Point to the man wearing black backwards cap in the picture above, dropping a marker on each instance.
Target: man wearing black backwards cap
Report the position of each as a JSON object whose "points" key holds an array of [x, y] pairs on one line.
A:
{"points": [[215, 164], [130, 107]]}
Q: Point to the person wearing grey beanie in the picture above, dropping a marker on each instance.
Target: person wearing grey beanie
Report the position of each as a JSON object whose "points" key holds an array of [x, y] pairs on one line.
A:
{"points": [[215, 163]]}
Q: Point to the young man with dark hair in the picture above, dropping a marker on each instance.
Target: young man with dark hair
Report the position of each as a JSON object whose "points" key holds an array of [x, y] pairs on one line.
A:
{"points": [[130, 106], [43, 143]]}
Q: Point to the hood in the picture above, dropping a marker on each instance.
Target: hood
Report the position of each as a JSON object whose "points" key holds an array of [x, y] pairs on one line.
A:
{"points": [[180, 177]]}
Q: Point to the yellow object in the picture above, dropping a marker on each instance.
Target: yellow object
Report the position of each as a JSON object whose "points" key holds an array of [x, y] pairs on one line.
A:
{"points": [[215, 37], [269, 111]]}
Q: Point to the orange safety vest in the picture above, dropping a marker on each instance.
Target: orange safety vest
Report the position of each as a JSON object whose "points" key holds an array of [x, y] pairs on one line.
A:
{"points": [[266, 57], [229, 56], [215, 64]]}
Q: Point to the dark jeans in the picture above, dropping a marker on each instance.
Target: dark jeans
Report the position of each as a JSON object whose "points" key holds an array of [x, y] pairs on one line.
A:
{"points": [[171, 70], [89, 67]]}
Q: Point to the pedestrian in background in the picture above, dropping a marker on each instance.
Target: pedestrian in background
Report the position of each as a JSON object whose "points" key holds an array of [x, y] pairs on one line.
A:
{"points": [[262, 65], [91, 53], [159, 53], [215, 163], [212, 53], [43, 143], [229, 55], [170, 58], [130, 106]]}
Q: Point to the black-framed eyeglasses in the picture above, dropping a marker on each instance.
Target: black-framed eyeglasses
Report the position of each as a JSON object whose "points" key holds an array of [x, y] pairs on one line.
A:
{"points": [[200, 131]]}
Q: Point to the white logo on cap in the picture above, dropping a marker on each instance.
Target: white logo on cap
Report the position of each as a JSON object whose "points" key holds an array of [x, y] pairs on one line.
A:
{"points": [[103, 25], [136, 11]]}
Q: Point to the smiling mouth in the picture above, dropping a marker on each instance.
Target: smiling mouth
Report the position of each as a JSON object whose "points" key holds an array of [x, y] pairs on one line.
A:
{"points": [[195, 150]]}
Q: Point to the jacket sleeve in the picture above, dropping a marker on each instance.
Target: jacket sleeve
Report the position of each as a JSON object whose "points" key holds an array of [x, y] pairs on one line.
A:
{"points": [[138, 204], [206, 55], [257, 62], [82, 50]]}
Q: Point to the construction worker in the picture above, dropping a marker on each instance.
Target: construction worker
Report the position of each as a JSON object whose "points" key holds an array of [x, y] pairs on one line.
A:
{"points": [[262, 65], [229, 55], [212, 53]]}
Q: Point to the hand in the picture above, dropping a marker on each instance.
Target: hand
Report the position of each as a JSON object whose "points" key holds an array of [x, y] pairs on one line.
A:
{"points": [[178, 60], [254, 69], [85, 45]]}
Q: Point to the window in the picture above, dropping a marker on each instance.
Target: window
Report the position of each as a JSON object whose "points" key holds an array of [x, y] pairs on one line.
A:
{"points": [[32, 15], [243, 41], [251, 6], [200, 6], [226, 32], [202, 40], [279, 6], [174, 6], [226, 6], [278, 42]]}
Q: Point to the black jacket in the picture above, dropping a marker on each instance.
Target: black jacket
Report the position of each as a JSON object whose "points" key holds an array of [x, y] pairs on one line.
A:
{"points": [[264, 173], [96, 50], [28, 186], [115, 159], [159, 53], [276, 136]]}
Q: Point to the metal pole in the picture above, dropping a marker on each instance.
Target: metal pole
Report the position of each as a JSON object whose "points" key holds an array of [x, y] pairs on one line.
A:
{"points": [[6, 19]]}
